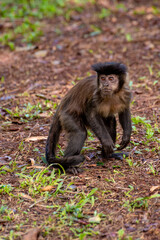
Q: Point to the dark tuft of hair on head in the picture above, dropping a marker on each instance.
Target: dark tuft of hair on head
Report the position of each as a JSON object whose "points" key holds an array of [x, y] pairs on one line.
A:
{"points": [[108, 68]]}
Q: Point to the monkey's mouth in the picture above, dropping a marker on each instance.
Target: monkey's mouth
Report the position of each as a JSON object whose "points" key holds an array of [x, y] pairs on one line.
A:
{"points": [[106, 90]]}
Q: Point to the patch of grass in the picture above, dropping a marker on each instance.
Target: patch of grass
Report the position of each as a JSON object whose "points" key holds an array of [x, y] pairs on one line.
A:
{"points": [[35, 181], [156, 10], [6, 213], [128, 37], [104, 13], [152, 169], [46, 187], [150, 69], [140, 202], [151, 132], [121, 7], [146, 124], [29, 112], [139, 12], [26, 18], [6, 189]]}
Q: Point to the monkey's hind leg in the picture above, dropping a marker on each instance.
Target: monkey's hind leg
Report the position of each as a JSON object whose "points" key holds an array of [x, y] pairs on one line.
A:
{"points": [[75, 144], [77, 135]]}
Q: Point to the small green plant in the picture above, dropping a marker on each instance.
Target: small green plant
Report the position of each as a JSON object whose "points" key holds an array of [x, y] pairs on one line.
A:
{"points": [[146, 123], [152, 169], [61, 152], [104, 13], [36, 181], [28, 112], [110, 180], [130, 162], [128, 37], [6, 213], [30, 31], [155, 10], [140, 202], [7, 39], [139, 12], [128, 193], [95, 31], [5, 189], [91, 135], [121, 234], [2, 79], [150, 68], [121, 6]]}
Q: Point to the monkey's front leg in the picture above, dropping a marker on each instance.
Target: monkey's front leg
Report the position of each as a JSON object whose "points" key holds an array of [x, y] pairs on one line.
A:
{"points": [[98, 127], [125, 121]]}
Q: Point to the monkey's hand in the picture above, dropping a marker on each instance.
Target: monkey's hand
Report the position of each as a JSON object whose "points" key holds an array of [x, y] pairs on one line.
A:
{"points": [[107, 149], [124, 142]]}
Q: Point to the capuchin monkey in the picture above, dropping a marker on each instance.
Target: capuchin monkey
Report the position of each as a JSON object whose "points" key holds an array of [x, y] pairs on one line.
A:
{"points": [[92, 103]]}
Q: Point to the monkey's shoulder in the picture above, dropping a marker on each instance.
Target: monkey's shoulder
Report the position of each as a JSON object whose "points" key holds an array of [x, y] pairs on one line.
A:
{"points": [[116, 104], [76, 99]]}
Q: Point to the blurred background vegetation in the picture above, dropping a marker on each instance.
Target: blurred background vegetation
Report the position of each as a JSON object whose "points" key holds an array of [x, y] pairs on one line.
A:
{"points": [[24, 17], [23, 21]]}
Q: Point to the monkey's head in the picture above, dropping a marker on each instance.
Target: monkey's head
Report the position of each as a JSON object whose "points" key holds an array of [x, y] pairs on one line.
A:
{"points": [[111, 77]]}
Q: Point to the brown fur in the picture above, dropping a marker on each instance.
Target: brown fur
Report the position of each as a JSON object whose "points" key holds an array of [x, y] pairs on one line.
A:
{"points": [[114, 104], [78, 97]]}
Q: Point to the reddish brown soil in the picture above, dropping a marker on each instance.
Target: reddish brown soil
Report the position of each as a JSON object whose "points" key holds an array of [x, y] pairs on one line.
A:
{"points": [[69, 56]]}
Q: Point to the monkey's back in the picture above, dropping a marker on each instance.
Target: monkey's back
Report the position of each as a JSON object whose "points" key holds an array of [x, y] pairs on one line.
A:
{"points": [[75, 101]]}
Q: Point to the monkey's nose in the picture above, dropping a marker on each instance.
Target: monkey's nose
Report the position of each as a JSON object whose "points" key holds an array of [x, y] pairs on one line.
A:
{"points": [[106, 84]]}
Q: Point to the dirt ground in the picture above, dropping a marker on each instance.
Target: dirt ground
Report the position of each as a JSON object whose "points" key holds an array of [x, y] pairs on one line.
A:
{"points": [[40, 77]]}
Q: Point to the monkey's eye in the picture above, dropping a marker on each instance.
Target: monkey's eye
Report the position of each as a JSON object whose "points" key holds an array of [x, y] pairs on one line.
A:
{"points": [[110, 78], [103, 78]]}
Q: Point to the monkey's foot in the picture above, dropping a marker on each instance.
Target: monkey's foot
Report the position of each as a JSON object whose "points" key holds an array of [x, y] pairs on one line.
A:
{"points": [[119, 156], [74, 160], [74, 170]]}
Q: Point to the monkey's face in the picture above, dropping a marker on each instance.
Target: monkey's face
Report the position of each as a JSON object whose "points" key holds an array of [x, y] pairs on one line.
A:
{"points": [[108, 84]]}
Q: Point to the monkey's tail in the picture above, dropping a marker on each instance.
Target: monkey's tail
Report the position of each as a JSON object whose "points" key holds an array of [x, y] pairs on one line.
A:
{"points": [[51, 144], [53, 138]]}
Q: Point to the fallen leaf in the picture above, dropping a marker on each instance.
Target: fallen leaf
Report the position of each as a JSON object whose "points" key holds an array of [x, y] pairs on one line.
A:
{"points": [[13, 128], [43, 115], [32, 234], [138, 92], [73, 187], [26, 48], [41, 53], [56, 62], [32, 161], [47, 188], [37, 167], [23, 195], [95, 219], [34, 139], [153, 188]]}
